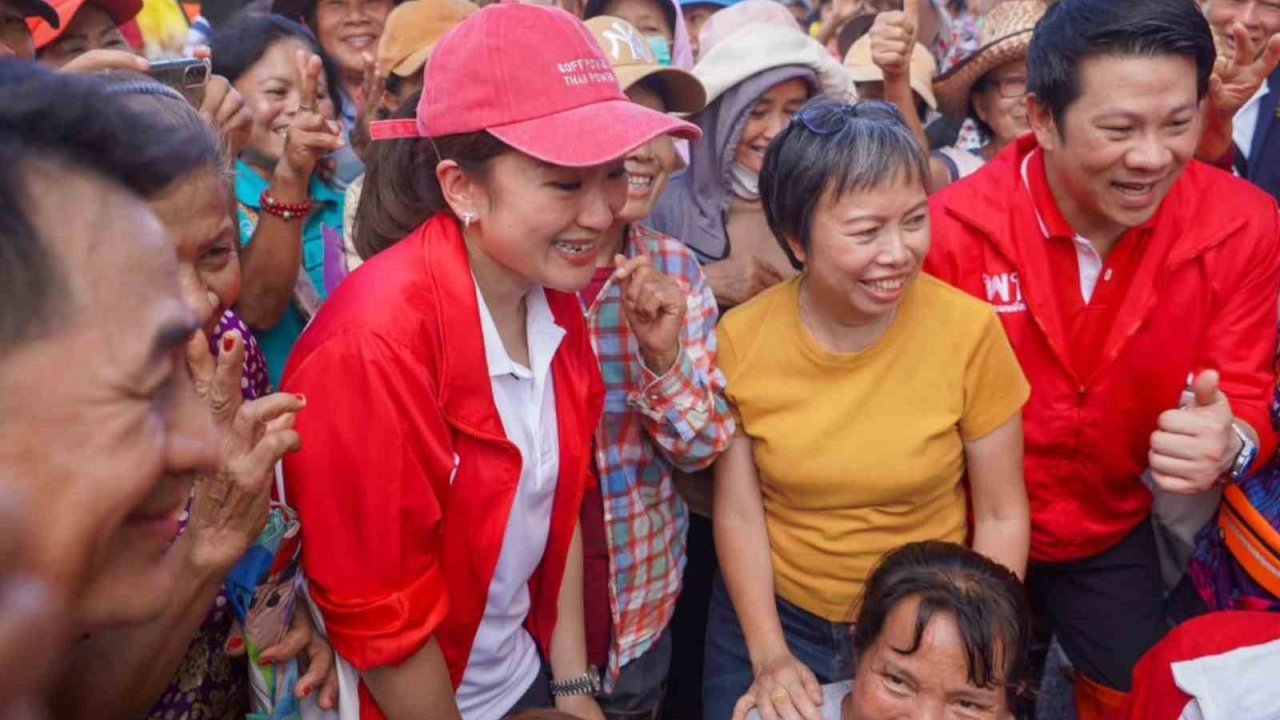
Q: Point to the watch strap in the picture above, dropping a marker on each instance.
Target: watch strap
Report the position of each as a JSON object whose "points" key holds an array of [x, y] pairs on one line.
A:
{"points": [[586, 684]]}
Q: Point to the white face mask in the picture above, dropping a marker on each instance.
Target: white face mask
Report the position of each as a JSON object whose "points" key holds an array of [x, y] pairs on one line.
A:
{"points": [[744, 183]]}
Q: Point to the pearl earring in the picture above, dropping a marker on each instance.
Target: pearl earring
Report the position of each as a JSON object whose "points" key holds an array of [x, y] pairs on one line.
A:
{"points": [[468, 219]]}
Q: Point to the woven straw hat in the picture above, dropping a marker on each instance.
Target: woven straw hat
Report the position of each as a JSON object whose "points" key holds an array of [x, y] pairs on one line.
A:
{"points": [[1006, 35]]}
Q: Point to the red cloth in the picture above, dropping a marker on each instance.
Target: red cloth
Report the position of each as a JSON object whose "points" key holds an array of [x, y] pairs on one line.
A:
{"points": [[1155, 695], [1086, 325], [406, 479], [597, 613], [1203, 295]]}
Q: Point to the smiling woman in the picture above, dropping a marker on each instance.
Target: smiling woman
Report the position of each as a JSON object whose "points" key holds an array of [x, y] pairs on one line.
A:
{"points": [[902, 387], [453, 386], [86, 25], [942, 632], [289, 210]]}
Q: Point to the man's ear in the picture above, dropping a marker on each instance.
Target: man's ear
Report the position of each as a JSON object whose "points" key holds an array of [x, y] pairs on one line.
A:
{"points": [[1043, 124]]}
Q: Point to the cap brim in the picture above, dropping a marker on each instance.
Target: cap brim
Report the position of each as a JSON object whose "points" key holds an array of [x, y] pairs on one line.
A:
{"points": [[681, 91], [413, 64], [120, 11], [592, 134], [39, 9]]}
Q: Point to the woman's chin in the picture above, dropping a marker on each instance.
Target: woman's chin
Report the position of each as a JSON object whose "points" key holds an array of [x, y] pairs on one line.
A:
{"points": [[126, 594]]}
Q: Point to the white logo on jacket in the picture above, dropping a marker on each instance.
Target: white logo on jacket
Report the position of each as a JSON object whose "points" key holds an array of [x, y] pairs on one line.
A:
{"points": [[1004, 291]]}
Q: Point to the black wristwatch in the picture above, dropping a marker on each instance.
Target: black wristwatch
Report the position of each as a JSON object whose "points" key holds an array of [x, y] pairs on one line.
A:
{"points": [[588, 684]]}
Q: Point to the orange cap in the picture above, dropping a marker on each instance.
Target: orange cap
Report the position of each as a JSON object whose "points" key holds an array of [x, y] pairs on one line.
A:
{"points": [[121, 11], [412, 31]]}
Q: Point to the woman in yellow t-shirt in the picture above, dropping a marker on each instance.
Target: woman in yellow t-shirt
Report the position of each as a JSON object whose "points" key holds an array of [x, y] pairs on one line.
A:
{"points": [[873, 403]]}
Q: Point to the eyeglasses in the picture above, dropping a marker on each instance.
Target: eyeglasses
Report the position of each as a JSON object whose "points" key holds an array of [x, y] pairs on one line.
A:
{"points": [[1010, 88], [830, 118]]}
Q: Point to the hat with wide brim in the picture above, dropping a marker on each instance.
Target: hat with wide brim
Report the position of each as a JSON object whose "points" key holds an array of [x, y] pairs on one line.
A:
{"points": [[1006, 34], [44, 33]]}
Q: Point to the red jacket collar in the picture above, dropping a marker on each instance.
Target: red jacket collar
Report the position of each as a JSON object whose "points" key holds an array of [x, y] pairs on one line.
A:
{"points": [[992, 199], [465, 387], [996, 203]]}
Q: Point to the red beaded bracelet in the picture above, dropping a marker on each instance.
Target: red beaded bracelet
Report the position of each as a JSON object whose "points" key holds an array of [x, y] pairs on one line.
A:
{"points": [[285, 211]]}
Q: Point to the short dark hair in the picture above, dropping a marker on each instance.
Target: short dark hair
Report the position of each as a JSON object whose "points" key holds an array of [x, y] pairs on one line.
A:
{"points": [[68, 121], [1072, 31], [832, 147], [985, 599], [241, 44], [400, 187]]}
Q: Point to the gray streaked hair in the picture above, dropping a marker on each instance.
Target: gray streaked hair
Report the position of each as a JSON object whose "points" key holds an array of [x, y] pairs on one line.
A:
{"points": [[144, 94], [830, 148]]}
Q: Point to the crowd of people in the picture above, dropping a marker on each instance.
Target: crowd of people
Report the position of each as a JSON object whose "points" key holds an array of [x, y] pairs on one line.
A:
{"points": [[641, 359]]}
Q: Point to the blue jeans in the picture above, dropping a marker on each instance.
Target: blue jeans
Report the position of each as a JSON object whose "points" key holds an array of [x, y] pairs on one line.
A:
{"points": [[826, 648]]}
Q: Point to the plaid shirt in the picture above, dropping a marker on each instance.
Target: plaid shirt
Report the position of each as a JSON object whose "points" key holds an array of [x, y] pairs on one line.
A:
{"points": [[651, 425]]}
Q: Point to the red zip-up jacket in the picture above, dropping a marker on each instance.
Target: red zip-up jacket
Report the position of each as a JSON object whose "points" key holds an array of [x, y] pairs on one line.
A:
{"points": [[1203, 297], [406, 478]]}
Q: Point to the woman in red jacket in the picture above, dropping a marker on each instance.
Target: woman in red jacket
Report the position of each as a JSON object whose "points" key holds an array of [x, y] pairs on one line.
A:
{"points": [[452, 389]]}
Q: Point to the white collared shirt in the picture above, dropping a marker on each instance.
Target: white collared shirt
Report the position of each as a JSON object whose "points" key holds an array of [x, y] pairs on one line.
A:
{"points": [[504, 658], [1245, 123], [1088, 259]]}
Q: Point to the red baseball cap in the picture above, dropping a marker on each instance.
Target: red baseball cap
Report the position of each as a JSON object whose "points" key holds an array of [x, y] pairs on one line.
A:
{"points": [[535, 78], [44, 32]]}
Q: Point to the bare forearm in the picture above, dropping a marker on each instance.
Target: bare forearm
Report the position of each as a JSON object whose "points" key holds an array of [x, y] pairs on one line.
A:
{"points": [[897, 90], [122, 673], [1001, 511], [742, 546], [1005, 540], [270, 263], [404, 691], [569, 642]]}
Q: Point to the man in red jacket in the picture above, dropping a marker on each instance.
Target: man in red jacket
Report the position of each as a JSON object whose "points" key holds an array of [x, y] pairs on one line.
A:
{"points": [[1124, 272]]}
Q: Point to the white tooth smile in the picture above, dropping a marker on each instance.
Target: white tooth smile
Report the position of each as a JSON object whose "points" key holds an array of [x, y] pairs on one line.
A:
{"points": [[639, 181], [886, 285], [569, 248]]}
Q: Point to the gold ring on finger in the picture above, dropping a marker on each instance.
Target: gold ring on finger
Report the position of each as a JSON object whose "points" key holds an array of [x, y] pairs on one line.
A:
{"points": [[778, 695]]}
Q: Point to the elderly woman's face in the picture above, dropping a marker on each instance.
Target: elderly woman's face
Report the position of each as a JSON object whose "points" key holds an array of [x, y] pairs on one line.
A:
{"points": [[1002, 102], [766, 118], [866, 247], [931, 682], [649, 165], [196, 211]]}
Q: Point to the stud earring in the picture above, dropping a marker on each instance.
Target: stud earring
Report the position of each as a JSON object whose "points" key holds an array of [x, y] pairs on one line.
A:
{"points": [[468, 219]]}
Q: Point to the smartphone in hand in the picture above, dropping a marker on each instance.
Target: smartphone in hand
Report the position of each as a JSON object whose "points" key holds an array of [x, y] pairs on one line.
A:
{"points": [[187, 75]]}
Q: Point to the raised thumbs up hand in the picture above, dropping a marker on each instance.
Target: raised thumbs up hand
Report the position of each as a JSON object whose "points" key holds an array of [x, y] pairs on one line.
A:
{"points": [[1194, 445]]}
